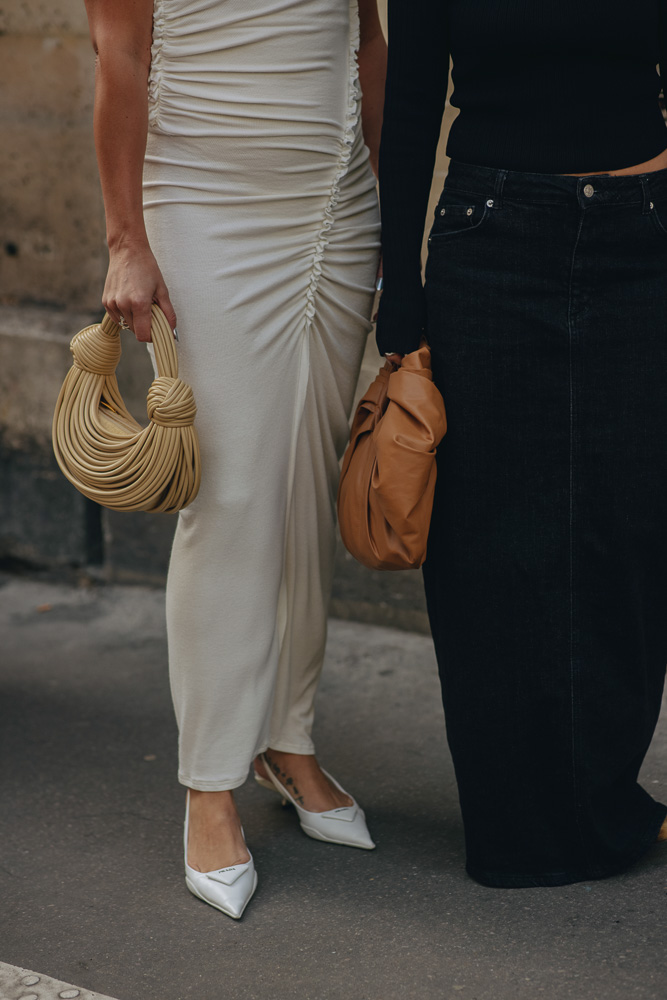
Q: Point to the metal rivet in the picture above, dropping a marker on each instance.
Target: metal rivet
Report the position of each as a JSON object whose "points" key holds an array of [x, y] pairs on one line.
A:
{"points": [[469, 212], [442, 211], [589, 190], [651, 204], [489, 203]]}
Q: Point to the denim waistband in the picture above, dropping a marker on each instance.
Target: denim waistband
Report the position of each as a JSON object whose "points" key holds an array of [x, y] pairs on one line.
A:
{"points": [[555, 189]]}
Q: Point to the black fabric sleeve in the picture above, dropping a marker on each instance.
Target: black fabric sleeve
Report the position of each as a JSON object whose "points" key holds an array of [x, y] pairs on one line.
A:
{"points": [[416, 91], [662, 41]]}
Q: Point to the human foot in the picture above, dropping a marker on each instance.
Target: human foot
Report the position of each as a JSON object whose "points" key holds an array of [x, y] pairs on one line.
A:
{"points": [[325, 810], [303, 777], [215, 836]]}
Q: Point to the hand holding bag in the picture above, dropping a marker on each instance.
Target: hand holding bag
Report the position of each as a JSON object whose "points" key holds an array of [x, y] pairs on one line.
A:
{"points": [[102, 449], [385, 496]]}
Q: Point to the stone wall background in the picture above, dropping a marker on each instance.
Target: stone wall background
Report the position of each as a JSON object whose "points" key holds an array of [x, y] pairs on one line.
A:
{"points": [[50, 206], [52, 267]]}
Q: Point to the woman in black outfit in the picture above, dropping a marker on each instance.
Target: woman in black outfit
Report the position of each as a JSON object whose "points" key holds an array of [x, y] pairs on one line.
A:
{"points": [[545, 305]]}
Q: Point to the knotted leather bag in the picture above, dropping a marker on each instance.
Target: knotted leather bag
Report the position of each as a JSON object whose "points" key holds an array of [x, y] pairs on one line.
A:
{"points": [[385, 496], [101, 448]]}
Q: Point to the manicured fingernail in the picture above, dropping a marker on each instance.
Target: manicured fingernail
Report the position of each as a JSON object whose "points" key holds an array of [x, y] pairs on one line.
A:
{"points": [[379, 284], [176, 337]]}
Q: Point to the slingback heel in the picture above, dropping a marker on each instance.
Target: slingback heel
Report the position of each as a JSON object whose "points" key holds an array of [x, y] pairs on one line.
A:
{"points": [[227, 889], [345, 825], [270, 787]]}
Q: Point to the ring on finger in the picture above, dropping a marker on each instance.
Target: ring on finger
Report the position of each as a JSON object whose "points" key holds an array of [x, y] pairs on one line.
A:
{"points": [[123, 325]]}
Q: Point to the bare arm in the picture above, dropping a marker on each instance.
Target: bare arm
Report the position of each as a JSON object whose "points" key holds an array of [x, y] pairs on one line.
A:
{"points": [[372, 73], [121, 33]]}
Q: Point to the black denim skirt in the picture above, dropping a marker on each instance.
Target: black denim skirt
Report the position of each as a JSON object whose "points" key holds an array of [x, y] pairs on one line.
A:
{"points": [[546, 575]]}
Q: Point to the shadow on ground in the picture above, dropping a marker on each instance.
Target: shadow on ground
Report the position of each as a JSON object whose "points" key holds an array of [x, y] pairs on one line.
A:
{"points": [[90, 873]]}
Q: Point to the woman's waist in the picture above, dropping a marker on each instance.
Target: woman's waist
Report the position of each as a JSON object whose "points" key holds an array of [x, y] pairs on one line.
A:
{"points": [[252, 169], [494, 184], [649, 166], [239, 104], [560, 141]]}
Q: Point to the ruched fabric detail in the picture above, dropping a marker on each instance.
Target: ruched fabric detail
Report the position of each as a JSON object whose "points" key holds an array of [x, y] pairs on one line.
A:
{"points": [[347, 144], [262, 212], [154, 77]]}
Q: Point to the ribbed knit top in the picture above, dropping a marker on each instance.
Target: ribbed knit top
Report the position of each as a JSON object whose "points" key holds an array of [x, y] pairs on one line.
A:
{"points": [[567, 86]]}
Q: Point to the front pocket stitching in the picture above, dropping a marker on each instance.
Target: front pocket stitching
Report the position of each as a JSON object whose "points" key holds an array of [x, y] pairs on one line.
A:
{"points": [[657, 222], [456, 232]]}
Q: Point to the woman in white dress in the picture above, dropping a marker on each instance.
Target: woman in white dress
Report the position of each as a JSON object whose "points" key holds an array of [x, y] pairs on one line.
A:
{"points": [[239, 196]]}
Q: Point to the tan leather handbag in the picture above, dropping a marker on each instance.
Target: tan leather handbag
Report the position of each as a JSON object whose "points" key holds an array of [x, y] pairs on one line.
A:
{"points": [[102, 449], [385, 497]]}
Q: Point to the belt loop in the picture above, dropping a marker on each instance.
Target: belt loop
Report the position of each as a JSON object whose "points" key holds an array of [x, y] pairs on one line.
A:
{"points": [[501, 177], [647, 203]]}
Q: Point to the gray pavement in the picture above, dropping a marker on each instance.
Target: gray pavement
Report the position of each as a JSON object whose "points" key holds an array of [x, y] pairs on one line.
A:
{"points": [[91, 890]]}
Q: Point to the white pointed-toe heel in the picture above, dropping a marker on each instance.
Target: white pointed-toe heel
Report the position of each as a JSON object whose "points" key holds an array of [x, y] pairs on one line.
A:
{"points": [[345, 825], [227, 889], [268, 784]]}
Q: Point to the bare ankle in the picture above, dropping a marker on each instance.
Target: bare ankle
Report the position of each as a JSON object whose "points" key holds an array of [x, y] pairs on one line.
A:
{"points": [[219, 802], [215, 836]]}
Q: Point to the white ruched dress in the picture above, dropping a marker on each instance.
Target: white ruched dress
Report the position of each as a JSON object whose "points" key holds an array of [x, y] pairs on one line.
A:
{"points": [[261, 210]]}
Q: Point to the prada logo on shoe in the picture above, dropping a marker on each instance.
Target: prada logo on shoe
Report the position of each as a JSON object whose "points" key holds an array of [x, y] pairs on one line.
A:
{"points": [[228, 875], [346, 813]]}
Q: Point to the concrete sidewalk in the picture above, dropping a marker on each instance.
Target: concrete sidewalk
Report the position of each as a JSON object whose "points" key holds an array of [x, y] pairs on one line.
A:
{"points": [[91, 883]]}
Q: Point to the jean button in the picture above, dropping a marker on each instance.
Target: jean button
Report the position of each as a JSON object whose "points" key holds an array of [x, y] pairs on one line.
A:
{"points": [[589, 190]]}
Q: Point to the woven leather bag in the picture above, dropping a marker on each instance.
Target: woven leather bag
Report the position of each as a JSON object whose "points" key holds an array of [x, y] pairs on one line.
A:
{"points": [[101, 448], [385, 496]]}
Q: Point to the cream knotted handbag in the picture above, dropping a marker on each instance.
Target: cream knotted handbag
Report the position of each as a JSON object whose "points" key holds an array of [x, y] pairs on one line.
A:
{"points": [[102, 449]]}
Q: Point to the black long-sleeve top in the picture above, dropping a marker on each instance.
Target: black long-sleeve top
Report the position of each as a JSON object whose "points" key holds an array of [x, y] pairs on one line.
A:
{"points": [[569, 86]]}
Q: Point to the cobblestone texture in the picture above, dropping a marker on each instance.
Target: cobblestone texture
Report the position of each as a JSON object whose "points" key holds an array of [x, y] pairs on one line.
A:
{"points": [[21, 984]]}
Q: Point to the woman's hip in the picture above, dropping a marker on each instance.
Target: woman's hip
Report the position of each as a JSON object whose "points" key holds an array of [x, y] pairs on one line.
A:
{"points": [[547, 319], [543, 285]]}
